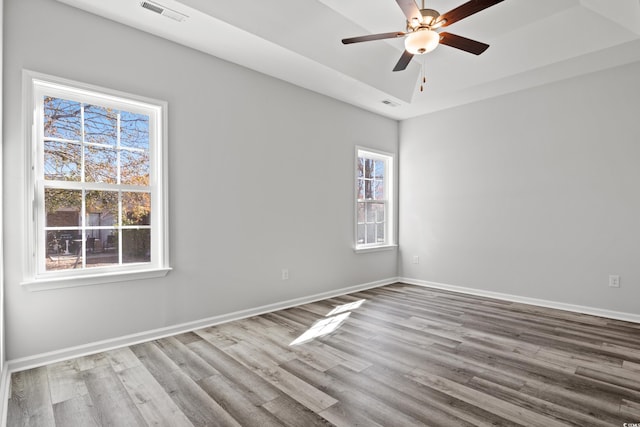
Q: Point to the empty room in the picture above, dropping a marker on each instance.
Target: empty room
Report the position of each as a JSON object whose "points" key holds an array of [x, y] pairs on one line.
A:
{"points": [[320, 212]]}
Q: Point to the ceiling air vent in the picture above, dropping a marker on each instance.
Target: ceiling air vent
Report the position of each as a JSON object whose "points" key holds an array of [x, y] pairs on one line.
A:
{"points": [[390, 103], [161, 10]]}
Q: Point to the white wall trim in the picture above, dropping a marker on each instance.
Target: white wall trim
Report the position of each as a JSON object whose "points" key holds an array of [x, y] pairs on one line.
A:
{"points": [[5, 393], [37, 360], [629, 317]]}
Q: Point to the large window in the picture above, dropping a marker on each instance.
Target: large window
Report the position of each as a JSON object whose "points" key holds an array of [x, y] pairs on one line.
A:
{"points": [[374, 207], [97, 184]]}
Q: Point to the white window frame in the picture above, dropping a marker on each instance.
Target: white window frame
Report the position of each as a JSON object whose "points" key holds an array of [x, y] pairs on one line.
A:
{"points": [[35, 85], [389, 201]]}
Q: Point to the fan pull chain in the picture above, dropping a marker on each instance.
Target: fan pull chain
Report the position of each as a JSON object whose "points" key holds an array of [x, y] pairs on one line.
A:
{"points": [[424, 76]]}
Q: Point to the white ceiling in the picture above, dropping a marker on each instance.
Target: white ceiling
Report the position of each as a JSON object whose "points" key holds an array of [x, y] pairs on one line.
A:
{"points": [[533, 42]]}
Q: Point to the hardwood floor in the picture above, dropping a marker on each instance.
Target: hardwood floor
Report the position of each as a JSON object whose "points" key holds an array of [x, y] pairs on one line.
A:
{"points": [[406, 356]]}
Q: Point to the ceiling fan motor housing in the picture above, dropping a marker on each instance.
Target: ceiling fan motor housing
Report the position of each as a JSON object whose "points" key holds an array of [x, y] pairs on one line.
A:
{"points": [[429, 16]]}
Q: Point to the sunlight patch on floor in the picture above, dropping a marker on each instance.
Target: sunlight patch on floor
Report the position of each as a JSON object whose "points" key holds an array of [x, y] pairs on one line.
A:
{"points": [[333, 320]]}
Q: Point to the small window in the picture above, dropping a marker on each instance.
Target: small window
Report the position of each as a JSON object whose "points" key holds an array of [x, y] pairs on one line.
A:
{"points": [[97, 184], [374, 207]]}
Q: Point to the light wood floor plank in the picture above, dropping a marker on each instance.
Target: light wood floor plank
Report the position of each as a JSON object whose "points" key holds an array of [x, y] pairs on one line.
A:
{"points": [[414, 406], [122, 358], [254, 387], [370, 411], [65, 381], [523, 400], [292, 414], [301, 391], [452, 408], [188, 396], [232, 399], [30, 401], [76, 411], [112, 403], [514, 413], [155, 405], [186, 360], [92, 361]]}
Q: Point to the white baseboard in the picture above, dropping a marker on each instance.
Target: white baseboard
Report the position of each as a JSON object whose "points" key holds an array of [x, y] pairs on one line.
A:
{"points": [[5, 387], [34, 361], [618, 315]]}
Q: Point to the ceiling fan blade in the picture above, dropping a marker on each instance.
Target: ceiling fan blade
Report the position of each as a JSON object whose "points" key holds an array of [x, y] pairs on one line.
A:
{"points": [[403, 61], [410, 9], [463, 43], [371, 37], [466, 9]]}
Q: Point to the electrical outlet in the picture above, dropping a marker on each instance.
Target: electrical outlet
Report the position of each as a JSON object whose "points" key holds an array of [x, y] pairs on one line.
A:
{"points": [[285, 274], [415, 259], [614, 281]]}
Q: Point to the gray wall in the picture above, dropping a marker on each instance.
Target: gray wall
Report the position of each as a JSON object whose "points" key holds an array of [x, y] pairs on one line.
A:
{"points": [[535, 193], [260, 178]]}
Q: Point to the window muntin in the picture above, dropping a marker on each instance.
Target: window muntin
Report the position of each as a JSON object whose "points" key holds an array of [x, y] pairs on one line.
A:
{"points": [[373, 199], [98, 183]]}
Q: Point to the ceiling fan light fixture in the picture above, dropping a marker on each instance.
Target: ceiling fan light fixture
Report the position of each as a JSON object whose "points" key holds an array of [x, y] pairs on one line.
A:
{"points": [[421, 41]]}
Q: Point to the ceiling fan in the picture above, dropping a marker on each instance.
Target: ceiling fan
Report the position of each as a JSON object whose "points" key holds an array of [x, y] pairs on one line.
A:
{"points": [[420, 35]]}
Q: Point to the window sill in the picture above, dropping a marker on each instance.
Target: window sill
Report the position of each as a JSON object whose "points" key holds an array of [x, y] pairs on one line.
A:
{"points": [[367, 249], [45, 284]]}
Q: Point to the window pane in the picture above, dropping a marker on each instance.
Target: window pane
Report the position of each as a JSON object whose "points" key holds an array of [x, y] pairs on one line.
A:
{"points": [[380, 233], [100, 236], [63, 249], [103, 207], [110, 243], [360, 167], [102, 249], [136, 246], [62, 161], [134, 167], [62, 207], [100, 165], [371, 214], [136, 208], [368, 168], [360, 195], [378, 169], [371, 233], [97, 258], [97, 240], [360, 237], [100, 125], [361, 207], [378, 189], [94, 219], [368, 189], [134, 130], [61, 118], [378, 209]]}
